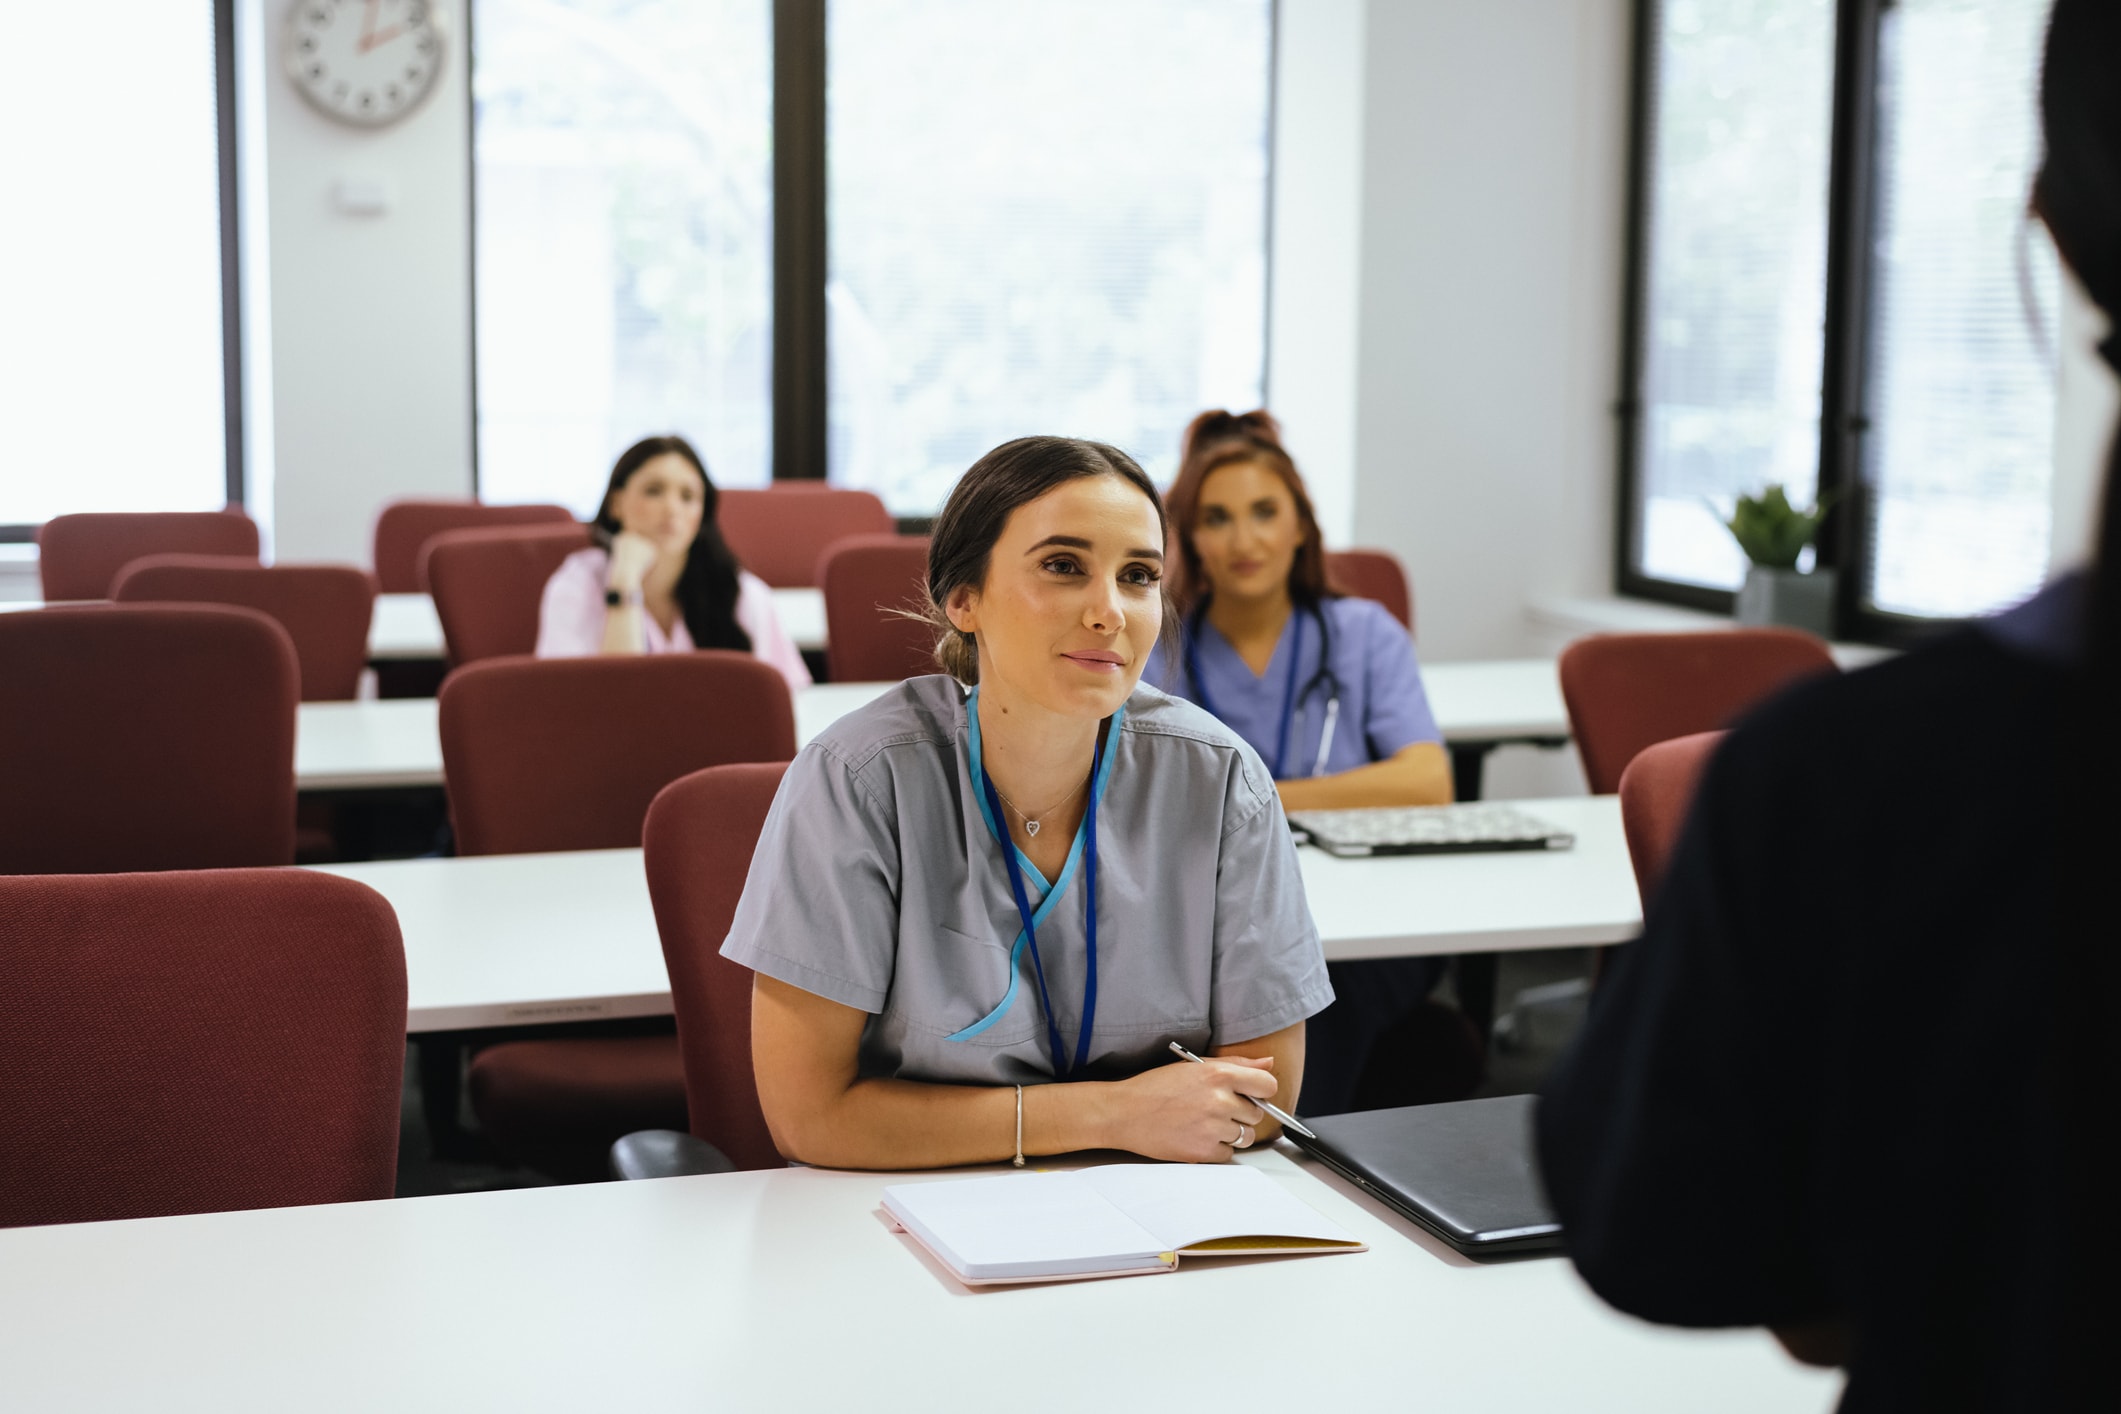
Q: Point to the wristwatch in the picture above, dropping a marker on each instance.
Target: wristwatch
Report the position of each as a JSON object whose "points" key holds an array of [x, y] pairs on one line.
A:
{"points": [[613, 598]]}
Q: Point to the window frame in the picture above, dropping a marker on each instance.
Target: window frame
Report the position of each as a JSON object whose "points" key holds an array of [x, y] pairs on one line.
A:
{"points": [[1845, 377], [231, 270], [800, 251]]}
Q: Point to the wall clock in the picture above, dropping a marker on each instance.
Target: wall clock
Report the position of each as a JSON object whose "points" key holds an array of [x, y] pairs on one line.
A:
{"points": [[365, 62]]}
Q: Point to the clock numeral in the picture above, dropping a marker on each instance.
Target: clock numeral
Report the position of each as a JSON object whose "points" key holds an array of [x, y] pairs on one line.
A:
{"points": [[316, 71], [413, 72]]}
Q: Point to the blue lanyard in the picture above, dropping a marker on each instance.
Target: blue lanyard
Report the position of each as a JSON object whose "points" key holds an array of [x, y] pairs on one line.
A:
{"points": [[1288, 692], [1023, 912]]}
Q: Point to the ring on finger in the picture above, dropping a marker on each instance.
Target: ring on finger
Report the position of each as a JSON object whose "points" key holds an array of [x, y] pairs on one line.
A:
{"points": [[1244, 1136]]}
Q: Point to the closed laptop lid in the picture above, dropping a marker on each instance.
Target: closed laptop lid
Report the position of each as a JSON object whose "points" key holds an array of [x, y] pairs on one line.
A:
{"points": [[1463, 1170]]}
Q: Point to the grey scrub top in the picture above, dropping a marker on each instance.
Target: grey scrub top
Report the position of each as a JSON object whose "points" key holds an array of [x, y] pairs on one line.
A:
{"points": [[879, 884]]}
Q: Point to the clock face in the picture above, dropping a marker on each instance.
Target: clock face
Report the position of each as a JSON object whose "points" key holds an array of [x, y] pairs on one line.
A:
{"points": [[367, 62]]}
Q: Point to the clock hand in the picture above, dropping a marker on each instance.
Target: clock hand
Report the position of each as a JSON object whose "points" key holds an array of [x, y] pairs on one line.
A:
{"points": [[368, 28]]}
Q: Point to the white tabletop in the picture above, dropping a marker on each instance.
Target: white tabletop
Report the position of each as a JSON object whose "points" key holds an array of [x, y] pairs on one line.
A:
{"points": [[786, 1290], [1412, 905], [397, 742], [1514, 699], [514, 940], [392, 743], [368, 745], [406, 626], [522, 939]]}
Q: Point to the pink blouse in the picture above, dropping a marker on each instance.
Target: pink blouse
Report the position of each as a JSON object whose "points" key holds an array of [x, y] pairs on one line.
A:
{"points": [[571, 619]]}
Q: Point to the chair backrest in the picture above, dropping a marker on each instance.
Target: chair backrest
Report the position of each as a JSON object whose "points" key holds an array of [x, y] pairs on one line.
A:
{"points": [[866, 578], [1655, 791], [197, 1042], [403, 529], [324, 608], [781, 532], [1626, 691], [79, 556], [488, 584], [1373, 574], [145, 736], [698, 843], [567, 753]]}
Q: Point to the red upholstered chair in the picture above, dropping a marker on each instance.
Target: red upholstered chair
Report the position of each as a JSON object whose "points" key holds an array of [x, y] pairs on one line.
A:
{"points": [[567, 754], [487, 585], [700, 835], [1626, 691], [1655, 792], [781, 532], [324, 608], [145, 736], [867, 578], [196, 1042], [1373, 574], [79, 556], [403, 529]]}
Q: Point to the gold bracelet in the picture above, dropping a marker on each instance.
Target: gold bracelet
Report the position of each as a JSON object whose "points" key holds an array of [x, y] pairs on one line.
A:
{"points": [[1019, 1126]]}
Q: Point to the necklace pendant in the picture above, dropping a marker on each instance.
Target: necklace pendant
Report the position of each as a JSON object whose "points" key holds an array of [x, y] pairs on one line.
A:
{"points": [[1030, 827]]}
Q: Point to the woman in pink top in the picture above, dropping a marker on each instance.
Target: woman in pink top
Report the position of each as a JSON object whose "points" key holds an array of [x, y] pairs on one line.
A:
{"points": [[660, 578]]}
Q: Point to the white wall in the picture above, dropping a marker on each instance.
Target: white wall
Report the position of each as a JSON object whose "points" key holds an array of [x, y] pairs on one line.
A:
{"points": [[1494, 218], [369, 357]]}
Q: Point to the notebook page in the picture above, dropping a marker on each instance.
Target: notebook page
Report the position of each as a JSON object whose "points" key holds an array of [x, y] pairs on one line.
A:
{"points": [[1022, 1225], [1188, 1204]]}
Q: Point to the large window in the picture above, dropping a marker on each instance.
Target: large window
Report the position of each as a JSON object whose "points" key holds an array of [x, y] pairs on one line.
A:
{"points": [[112, 372], [622, 159], [993, 219], [1962, 381], [1736, 240], [1836, 289], [1045, 216]]}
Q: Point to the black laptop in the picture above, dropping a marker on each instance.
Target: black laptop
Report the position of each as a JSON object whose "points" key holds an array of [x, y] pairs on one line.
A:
{"points": [[1464, 1171]]}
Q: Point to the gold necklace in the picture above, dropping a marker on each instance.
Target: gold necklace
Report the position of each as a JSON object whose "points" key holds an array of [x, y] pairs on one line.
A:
{"points": [[1031, 824]]}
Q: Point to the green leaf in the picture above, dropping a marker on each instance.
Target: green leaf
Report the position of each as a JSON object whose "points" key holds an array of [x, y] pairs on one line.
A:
{"points": [[1771, 531]]}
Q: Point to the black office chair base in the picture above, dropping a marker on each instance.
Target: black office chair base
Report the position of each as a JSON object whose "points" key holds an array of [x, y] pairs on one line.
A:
{"points": [[665, 1153]]}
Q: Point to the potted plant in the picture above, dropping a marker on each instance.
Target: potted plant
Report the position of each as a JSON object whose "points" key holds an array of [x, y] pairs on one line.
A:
{"points": [[1774, 535]]}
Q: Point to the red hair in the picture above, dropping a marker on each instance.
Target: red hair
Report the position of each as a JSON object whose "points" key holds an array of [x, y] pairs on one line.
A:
{"points": [[1217, 439]]}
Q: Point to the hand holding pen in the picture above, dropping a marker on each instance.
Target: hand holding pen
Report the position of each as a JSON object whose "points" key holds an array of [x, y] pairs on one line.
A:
{"points": [[1287, 1121]]}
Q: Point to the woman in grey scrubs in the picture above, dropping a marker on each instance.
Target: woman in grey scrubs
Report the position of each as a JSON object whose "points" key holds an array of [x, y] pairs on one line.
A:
{"points": [[1029, 870]]}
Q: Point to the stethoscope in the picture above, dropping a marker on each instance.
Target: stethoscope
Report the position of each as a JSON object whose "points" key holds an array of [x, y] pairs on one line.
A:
{"points": [[1292, 698]]}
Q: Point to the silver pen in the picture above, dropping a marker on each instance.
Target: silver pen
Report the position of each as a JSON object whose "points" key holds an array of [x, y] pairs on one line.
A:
{"points": [[1288, 1121]]}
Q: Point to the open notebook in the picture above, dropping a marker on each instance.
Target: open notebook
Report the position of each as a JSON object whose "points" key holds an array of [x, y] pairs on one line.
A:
{"points": [[1111, 1221]]}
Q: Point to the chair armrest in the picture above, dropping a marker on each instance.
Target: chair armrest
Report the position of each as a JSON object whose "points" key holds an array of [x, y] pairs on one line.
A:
{"points": [[665, 1153]]}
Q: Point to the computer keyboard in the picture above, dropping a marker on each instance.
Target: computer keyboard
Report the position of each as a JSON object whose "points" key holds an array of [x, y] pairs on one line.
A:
{"points": [[1471, 828]]}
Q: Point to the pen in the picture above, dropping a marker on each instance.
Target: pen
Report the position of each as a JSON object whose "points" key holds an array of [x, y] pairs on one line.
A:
{"points": [[1288, 1121]]}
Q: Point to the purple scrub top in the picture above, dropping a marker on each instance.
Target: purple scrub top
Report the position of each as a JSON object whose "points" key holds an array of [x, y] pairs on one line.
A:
{"points": [[1383, 709]]}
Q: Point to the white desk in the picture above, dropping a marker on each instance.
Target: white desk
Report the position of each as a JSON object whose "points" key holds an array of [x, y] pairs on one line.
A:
{"points": [[368, 745], [395, 743], [516, 940], [388, 744], [785, 1290], [406, 625]]}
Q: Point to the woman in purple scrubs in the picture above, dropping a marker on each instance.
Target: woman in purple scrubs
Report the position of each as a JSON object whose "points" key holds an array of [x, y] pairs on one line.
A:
{"points": [[1323, 686]]}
